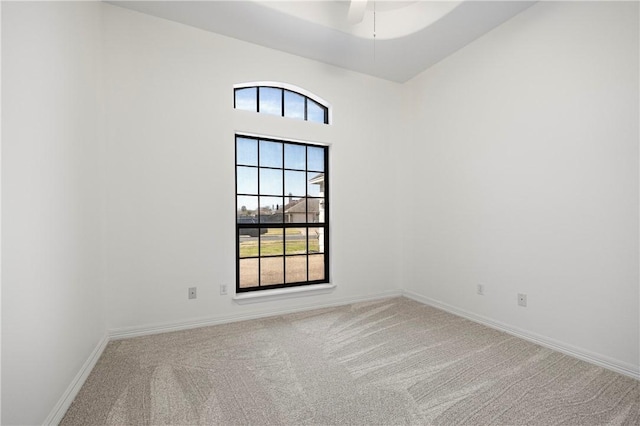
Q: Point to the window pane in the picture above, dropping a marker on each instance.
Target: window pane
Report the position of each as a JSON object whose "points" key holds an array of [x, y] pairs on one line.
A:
{"points": [[315, 112], [247, 180], [246, 99], [296, 269], [315, 158], [321, 214], [295, 156], [316, 240], [293, 105], [314, 206], [271, 270], [272, 242], [271, 209], [316, 184], [294, 183], [296, 211], [316, 267], [271, 100], [270, 154], [270, 182], [247, 209], [249, 273], [295, 241], [248, 242], [247, 151]]}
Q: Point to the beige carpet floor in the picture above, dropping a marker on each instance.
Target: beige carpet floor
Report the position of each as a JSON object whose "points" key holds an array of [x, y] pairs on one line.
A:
{"points": [[388, 362]]}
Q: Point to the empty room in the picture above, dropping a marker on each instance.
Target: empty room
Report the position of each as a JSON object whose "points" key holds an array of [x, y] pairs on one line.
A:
{"points": [[320, 212]]}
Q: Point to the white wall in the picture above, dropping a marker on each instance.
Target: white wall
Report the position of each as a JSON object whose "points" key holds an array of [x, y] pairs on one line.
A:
{"points": [[513, 163], [52, 302], [170, 130], [524, 167]]}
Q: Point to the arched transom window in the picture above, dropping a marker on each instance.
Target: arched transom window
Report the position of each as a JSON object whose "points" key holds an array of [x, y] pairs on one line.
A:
{"points": [[281, 100]]}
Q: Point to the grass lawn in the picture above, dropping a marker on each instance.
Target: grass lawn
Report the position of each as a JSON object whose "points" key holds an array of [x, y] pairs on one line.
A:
{"points": [[274, 248], [278, 231]]}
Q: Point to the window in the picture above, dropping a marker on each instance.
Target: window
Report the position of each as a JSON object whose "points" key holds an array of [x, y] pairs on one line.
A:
{"points": [[282, 225], [281, 102]]}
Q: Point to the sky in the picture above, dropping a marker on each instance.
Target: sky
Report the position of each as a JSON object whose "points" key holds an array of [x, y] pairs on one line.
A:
{"points": [[276, 170]]}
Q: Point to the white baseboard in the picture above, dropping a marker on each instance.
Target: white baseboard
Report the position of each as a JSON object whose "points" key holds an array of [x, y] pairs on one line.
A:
{"points": [[127, 332], [624, 368], [58, 412]]}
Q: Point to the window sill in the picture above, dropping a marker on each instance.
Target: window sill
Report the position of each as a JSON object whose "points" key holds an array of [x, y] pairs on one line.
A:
{"points": [[282, 293]]}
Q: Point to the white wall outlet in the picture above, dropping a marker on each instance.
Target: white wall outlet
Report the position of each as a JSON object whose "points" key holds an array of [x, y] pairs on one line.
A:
{"points": [[193, 292], [223, 289], [522, 299], [480, 289]]}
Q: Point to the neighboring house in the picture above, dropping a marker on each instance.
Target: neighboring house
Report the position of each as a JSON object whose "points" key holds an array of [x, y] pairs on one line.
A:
{"points": [[318, 180], [295, 211], [313, 208]]}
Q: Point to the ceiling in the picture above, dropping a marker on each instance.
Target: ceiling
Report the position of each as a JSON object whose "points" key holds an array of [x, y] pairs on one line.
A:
{"points": [[410, 36]]}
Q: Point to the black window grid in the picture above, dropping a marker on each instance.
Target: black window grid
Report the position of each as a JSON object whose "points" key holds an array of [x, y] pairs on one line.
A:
{"points": [[283, 225], [307, 99]]}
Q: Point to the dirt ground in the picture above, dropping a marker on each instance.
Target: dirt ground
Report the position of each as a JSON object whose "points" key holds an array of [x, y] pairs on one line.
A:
{"points": [[272, 270]]}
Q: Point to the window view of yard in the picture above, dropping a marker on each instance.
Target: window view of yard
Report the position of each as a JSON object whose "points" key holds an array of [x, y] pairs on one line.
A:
{"points": [[272, 242], [275, 268], [281, 215], [255, 272]]}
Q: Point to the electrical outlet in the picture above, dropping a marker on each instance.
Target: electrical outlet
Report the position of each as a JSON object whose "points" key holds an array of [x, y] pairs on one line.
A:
{"points": [[193, 292], [480, 289], [522, 299], [223, 289]]}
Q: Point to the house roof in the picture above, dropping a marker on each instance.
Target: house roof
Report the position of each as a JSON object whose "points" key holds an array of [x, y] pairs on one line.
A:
{"points": [[298, 206], [318, 179]]}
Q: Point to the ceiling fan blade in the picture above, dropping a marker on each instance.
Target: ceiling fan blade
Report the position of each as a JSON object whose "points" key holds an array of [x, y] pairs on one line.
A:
{"points": [[356, 11]]}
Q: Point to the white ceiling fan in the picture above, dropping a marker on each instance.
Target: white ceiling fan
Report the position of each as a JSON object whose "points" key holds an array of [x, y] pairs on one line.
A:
{"points": [[356, 11]]}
